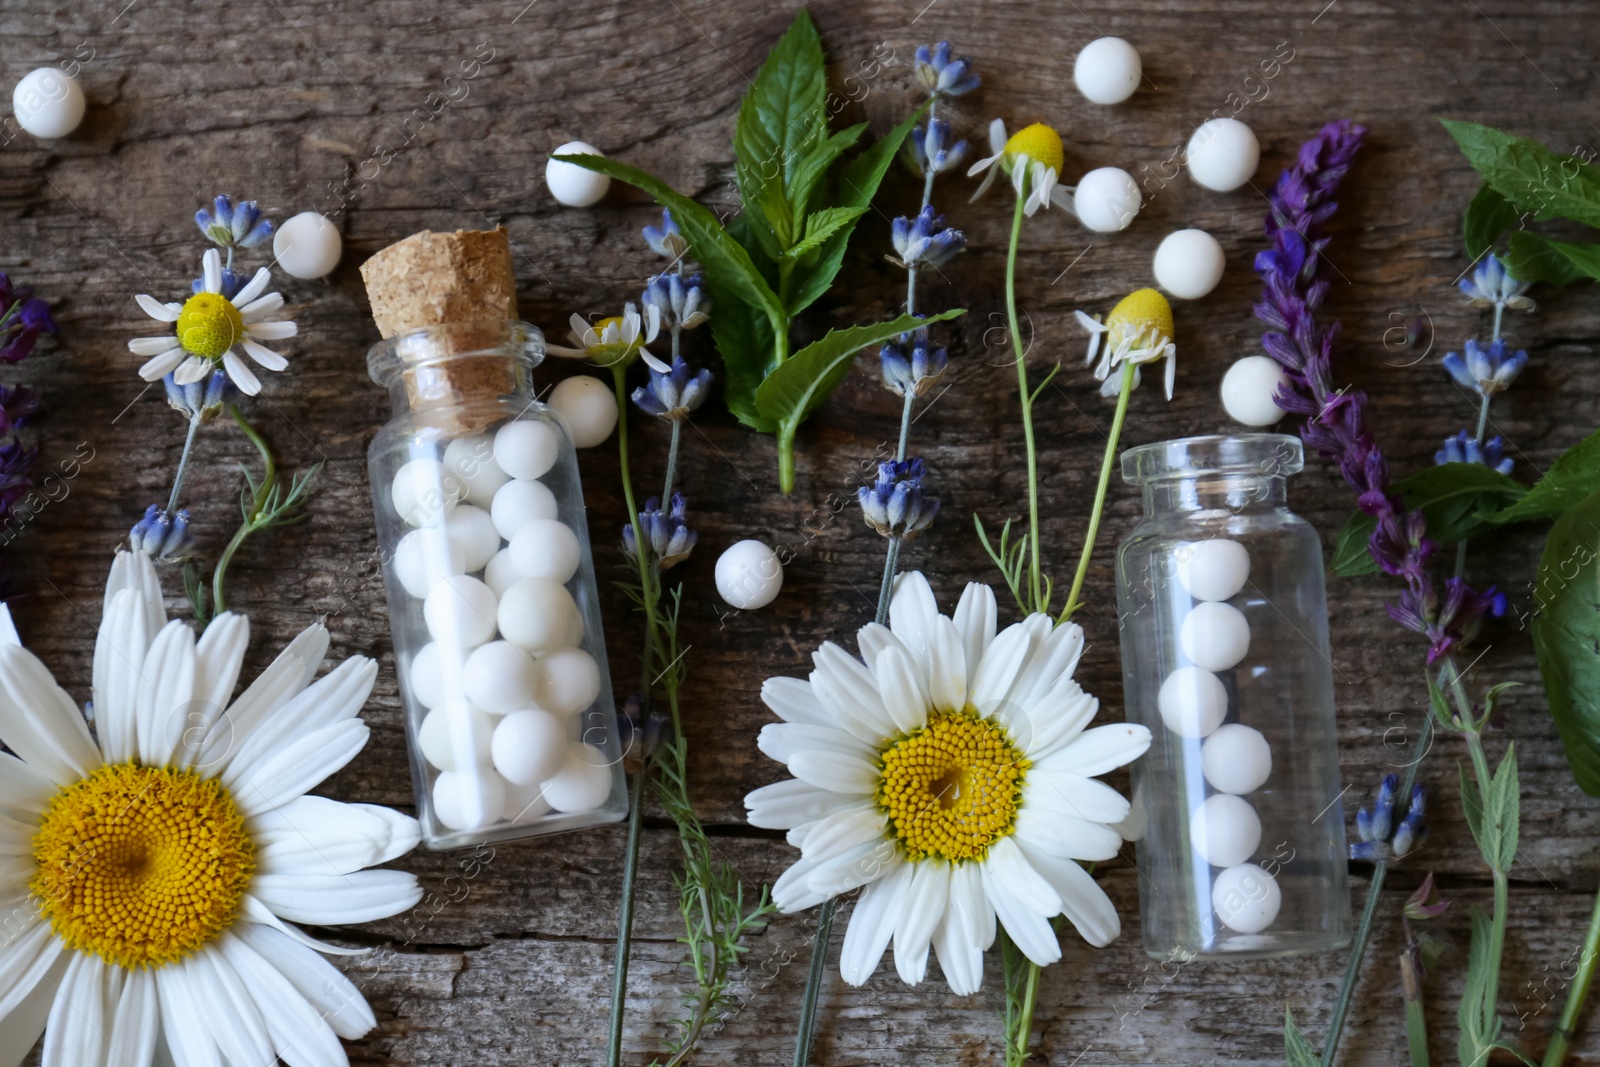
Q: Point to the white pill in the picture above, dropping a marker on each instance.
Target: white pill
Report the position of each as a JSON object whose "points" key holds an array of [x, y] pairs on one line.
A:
{"points": [[526, 448], [1246, 898], [545, 548], [452, 727], [1189, 263], [1193, 702], [568, 681], [471, 459], [435, 673], [1250, 388], [1106, 199], [1107, 70], [469, 801], [1225, 830], [48, 103], [499, 575], [583, 783], [423, 557], [1213, 570], [424, 492], [473, 533], [525, 803], [1214, 635], [1222, 154], [1236, 759], [529, 746], [588, 406], [308, 246], [571, 184], [500, 677], [539, 615], [749, 575], [518, 503], [460, 610]]}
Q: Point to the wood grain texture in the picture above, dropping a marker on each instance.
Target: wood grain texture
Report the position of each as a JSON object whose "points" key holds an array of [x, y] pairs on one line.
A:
{"points": [[326, 105]]}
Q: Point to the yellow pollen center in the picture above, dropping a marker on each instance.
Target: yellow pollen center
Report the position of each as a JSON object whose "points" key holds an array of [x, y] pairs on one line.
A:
{"points": [[209, 325], [141, 865], [1141, 311], [951, 788], [1038, 142]]}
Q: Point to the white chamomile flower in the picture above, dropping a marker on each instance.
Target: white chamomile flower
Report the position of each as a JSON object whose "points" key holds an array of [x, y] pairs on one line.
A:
{"points": [[1138, 330], [210, 328], [1033, 157], [615, 340], [149, 876], [950, 771]]}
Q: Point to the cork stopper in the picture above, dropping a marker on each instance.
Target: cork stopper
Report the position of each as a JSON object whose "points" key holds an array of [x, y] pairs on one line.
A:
{"points": [[459, 288]]}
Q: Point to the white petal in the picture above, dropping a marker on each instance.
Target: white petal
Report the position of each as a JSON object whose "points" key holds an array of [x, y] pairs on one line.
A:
{"points": [[298, 767], [257, 309], [842, 831], [843, 685], [231, 1015], [21, 1028], [39, 721], [271, 331], [988, 179], [1055, 720], [299, 1033], [8, 628], [336, 899], [1056, 657], [579, 326], [1030, 931], [286, 676], [872, 639], [912, 610], [1006, 864], [960, 938], [211, 271], [119, 652], [253, 288], [183, 1021], [193, 369], [999, 666], [791, 700], [24, 792], [75, 1035], [264, 356], [1093, 325], [1172, 370], [872, 923], [135, 1021], [218, 659], [157, 310], [242, 376], [901, 690], [1067, 836], [781, 740], [27, 960], [166, 694], [919, 917], [947, 682], [157, 368], [1073, 794], [133, 570], [252, 910], [997, 136], [1019, 179], [792, 891], [975, 618], [153, 346], [330, 992], [791, 802], [315, 835], [853, 868], [1083, 902], [839, 774], [335, 697], [1105, 748]]}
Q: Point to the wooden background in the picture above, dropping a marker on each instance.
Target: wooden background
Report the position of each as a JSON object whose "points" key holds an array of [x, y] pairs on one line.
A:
{"points": [[508, 961]]}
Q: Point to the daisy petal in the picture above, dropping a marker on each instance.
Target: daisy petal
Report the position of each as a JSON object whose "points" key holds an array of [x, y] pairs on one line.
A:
{"points": [[853, 868], [133, 570], [1006, 864], [263, 355], [119, 652], [1105, 748], [947, 676], [1073, 794], [211, 271], [183, 1026], [959, 939], [253, 311], [334, 698], [997, 136], [242, 376], [328, 991], [287, 675], [872, 924], [297, 767], [337, 899], [39, 721], [230, 1013], [1029, 930], [836, 773], [1083, 902], [135, 1022], [24, 792], [218, 659], [165, 693], [988, 180], [153, 346], [792, 891], [299, 1033], [791, 802], [192, 370], [315, 835], [924, 906], [1066, 836], [999, 667], [252, 910], [781, 740], [872, 639], [843, 684], [791, 700], [272, 331], [30, 958], [1055, 658], [253, 288], [158, 367], [842, 831], [975, 618], [901, 690], [75, 1035], [157, 310], [912, 610]]}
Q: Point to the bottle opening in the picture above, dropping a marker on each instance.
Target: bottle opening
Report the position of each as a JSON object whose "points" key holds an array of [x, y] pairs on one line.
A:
{"points": [[1262, 455]]}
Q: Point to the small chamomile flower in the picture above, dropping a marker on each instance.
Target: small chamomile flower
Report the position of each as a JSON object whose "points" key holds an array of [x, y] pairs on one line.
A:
{"points": [[1139, 330], [210, 328], [1033, 157], [1491, 284], [615, 340]]}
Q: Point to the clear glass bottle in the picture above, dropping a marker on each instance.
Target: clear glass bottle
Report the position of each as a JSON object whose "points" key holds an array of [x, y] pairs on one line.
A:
{"points": [[1224, 632], [491, 591]]}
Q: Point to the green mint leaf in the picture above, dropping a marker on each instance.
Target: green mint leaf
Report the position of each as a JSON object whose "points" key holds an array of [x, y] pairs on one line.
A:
{"points": [[1350, 555], [794, 389], [821, 225], [1483, 828], [1534, 179], [780, 119], [1453, 498], [1533, 258], [809, 172], [745, 341], [1487, 217], [1297, 1050], [1566, 636], [1438, 703], [1476, 1015], [1571, 479], [1507, 798]]}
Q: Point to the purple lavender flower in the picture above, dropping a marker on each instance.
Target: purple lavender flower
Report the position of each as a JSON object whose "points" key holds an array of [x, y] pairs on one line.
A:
{"points": [[23, 317], [673, 395], [15, 461], [667, 532], [911, 365], [929, 148], [926, 241], [666, 240], [1335, 424], [943, 75], [230, 225], [1383, 837], [1486, 371], [1464, 448], [17, 403], [894, 505]]}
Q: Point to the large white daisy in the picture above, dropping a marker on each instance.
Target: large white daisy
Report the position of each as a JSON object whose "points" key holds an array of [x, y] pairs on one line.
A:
{"points": [[148, 877], [209, 326], [950, 771]]}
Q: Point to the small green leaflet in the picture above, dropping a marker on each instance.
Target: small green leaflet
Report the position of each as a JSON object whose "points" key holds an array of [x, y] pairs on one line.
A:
{"points": [[1505, 800], [780, 119], [1571, 479], [822, 225], [1530, 176], [1297, 1050], [1486, 219], [1566, 636], [1453, 498], [1533, 258]]}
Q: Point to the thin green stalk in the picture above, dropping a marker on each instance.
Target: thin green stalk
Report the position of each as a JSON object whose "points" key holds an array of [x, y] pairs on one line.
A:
{"points": [[819, 963], [1035, 573], [183, 464], [1577, 993], [905, 428], [268, 477], [1017, 1044], [1106, 463], [1502, 887], [619, 972], [1416, 1024], [672, 464]]}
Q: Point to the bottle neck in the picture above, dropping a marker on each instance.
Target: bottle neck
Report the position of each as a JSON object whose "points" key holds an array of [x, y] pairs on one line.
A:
{"points": [[455, 381], [1232, 492]]}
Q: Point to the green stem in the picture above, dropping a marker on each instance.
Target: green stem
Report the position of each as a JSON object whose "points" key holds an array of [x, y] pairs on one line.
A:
{"points": [[819, 963], [630, 866], [905, 428], [1416, 1019], [269, 476], [1017, 1043], [1035, 573], [672, 464], [1577, 993], [786, 431], [183, 464], [1106, 463]]}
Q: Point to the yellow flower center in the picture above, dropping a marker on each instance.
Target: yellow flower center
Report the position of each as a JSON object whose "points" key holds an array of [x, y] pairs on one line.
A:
{"points": [[141, 865], [951, 788], [1141, 312], [209, 325], [1038, 142]]}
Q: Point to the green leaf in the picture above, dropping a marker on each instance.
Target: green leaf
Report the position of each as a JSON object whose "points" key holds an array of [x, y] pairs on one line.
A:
{"points": [[795, 388], [1438, 703], [745, 341], [1486, 219], [1297, 1050], [1472, 808], [781, 117], [808, 174], [1506, 797], [1453, 498], [858, 184], [1538, 259], [1476, 1016], [1571, 479], [822, 225], [1566, 636], [723, 258], [1530, 176]]}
